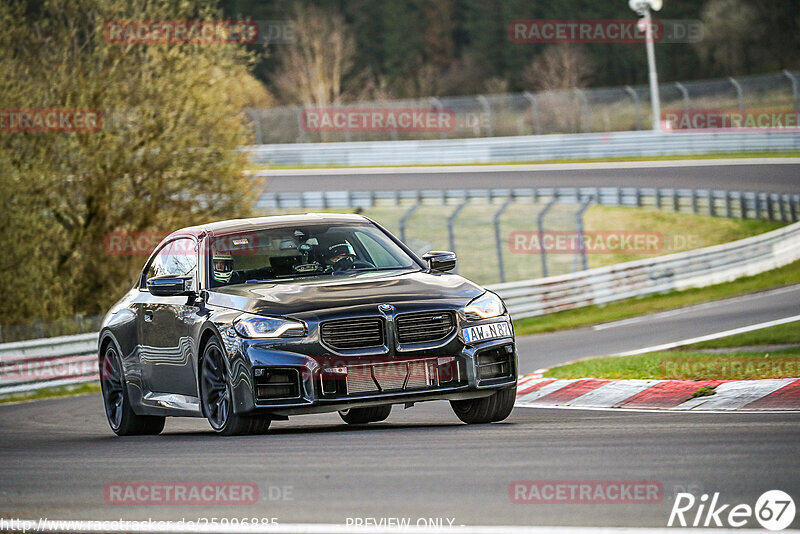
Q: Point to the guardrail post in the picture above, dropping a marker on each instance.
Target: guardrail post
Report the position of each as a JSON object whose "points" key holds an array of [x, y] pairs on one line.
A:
{"points": [[728, 205], [770, 207], [694, 201], [530, 97], [793, 206], [784, 213], [676, 203], [404, 220], [739, 92], [451, 233], [712, 209], [540, 230], [581, 245], [619, 196], [637, 120], [758, 204], [638, 198], [497, 237], [658, 198]]}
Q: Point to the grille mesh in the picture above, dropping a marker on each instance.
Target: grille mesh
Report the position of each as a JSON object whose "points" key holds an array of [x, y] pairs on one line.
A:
{"points": [[424, 326], [353, 333]]}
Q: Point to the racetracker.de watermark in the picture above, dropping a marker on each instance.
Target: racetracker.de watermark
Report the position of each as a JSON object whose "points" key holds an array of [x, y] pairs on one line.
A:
{"points": [[729, 368], [682, 120], [181, 493], [377, 120], [50, 120], [586, 492], [144, 243], [625, 31], [591, 242], [205, 32]]}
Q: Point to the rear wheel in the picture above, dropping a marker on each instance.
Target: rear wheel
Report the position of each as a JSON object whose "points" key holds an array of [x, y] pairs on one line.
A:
{"points": [[361, 416], [216, 397], [115, 399], [491, 409]]}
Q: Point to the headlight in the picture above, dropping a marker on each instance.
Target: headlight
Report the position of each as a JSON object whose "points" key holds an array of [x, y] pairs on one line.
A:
{"points": [[258, 326], [486, 306]]}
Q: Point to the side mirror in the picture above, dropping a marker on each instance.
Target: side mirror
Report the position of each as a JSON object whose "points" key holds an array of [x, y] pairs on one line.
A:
{"points": [[170, 286], [439, 260]]}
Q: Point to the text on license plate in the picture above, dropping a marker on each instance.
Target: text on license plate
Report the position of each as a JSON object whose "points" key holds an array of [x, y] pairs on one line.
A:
{"points": [[486, 331]]}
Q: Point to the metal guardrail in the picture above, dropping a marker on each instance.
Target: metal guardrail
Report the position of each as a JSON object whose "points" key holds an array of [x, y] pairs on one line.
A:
{"points": [[522, 148], [695, 268], [43, 363], [714, 202], [49, 362]]}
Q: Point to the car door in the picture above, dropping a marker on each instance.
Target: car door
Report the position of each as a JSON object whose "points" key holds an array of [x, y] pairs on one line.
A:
{"points": [[166, 344]]}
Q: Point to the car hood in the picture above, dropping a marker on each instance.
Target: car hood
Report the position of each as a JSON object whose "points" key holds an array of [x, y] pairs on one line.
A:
{"points": [[322, 294]]}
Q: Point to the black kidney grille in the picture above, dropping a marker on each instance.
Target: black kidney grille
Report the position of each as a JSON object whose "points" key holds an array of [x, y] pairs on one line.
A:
{"points": [[353, 333], [425, 326]]}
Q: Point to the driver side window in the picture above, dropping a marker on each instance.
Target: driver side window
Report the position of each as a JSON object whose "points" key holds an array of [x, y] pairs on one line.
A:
{"points": [[177, 258]]}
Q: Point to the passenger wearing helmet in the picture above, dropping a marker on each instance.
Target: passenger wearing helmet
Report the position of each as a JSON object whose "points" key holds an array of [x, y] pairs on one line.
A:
{"points": [[341, 256], [222, 267]]}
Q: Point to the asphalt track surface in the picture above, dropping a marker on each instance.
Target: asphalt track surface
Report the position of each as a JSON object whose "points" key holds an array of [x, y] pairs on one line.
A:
{"points": [[769, 175], [56, 456]]}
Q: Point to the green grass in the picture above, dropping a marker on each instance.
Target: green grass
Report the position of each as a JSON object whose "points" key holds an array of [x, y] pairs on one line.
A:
{"points": [[682, 365], [62, 391], [589, 315], [689, 363], [678, 157]]}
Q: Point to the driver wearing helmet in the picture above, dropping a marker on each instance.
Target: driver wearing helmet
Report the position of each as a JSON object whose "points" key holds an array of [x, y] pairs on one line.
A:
{"points": [[222, 267], [341, 256]]}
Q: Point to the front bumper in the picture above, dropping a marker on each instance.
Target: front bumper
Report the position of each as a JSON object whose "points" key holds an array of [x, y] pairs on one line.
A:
{"points": [[281, 377]]}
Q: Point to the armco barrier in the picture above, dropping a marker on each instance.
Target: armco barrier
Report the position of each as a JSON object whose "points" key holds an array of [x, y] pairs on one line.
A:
{"points": [[522, 148], [41, 363], [49, 362], [694, 268]]}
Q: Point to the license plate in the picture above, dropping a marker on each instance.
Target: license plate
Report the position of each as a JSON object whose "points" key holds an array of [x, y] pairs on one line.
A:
{"points": [[486, 331]]}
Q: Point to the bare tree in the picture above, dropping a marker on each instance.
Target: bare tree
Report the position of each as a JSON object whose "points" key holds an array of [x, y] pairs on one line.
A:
{"points": [[559, 67], [313, 69], [732, 33]]}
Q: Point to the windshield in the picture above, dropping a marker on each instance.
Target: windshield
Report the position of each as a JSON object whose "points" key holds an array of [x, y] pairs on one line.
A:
{"points": [[288, 253]]}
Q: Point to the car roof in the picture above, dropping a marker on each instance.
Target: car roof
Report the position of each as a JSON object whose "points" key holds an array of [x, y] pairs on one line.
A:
{"points": [[257, 223]]}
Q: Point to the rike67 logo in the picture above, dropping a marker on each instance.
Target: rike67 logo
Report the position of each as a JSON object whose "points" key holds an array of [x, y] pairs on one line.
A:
{"points": [[774, 510]]}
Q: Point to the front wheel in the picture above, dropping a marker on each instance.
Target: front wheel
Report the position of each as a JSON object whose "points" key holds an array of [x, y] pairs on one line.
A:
{"points": [[361, 416], [491, 409], [215, 393], [119, 413]]}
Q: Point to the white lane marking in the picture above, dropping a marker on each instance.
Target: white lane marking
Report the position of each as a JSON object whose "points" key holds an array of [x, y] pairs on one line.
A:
{"points": [[613, 393], [709, 337], [695, 307], [76, 526], [455, 169], [735, 395]]}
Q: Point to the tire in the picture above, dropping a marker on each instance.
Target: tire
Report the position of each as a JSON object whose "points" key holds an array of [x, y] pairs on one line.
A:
{"points": [[216, 397], [119, 413], [491, 409], [362, 416]]}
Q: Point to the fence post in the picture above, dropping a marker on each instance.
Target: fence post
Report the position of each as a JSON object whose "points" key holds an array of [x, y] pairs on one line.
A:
{"points": [[581, 248], [585, 120], [795, 96], [676, 203], [739, 92], [450, 230], [484, 102], [728, 206], [404, 219], [712, 209], [694, 201], [253, 115], [540, 230], [497, 237], [530, 97], [685, 92], [637, 120]]}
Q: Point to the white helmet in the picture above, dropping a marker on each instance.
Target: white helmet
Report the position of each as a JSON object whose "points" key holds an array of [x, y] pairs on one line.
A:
{"points": [[222, 267]]}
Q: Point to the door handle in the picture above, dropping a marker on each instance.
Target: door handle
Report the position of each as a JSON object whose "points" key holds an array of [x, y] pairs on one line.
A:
{"points": [[148, 316]]}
